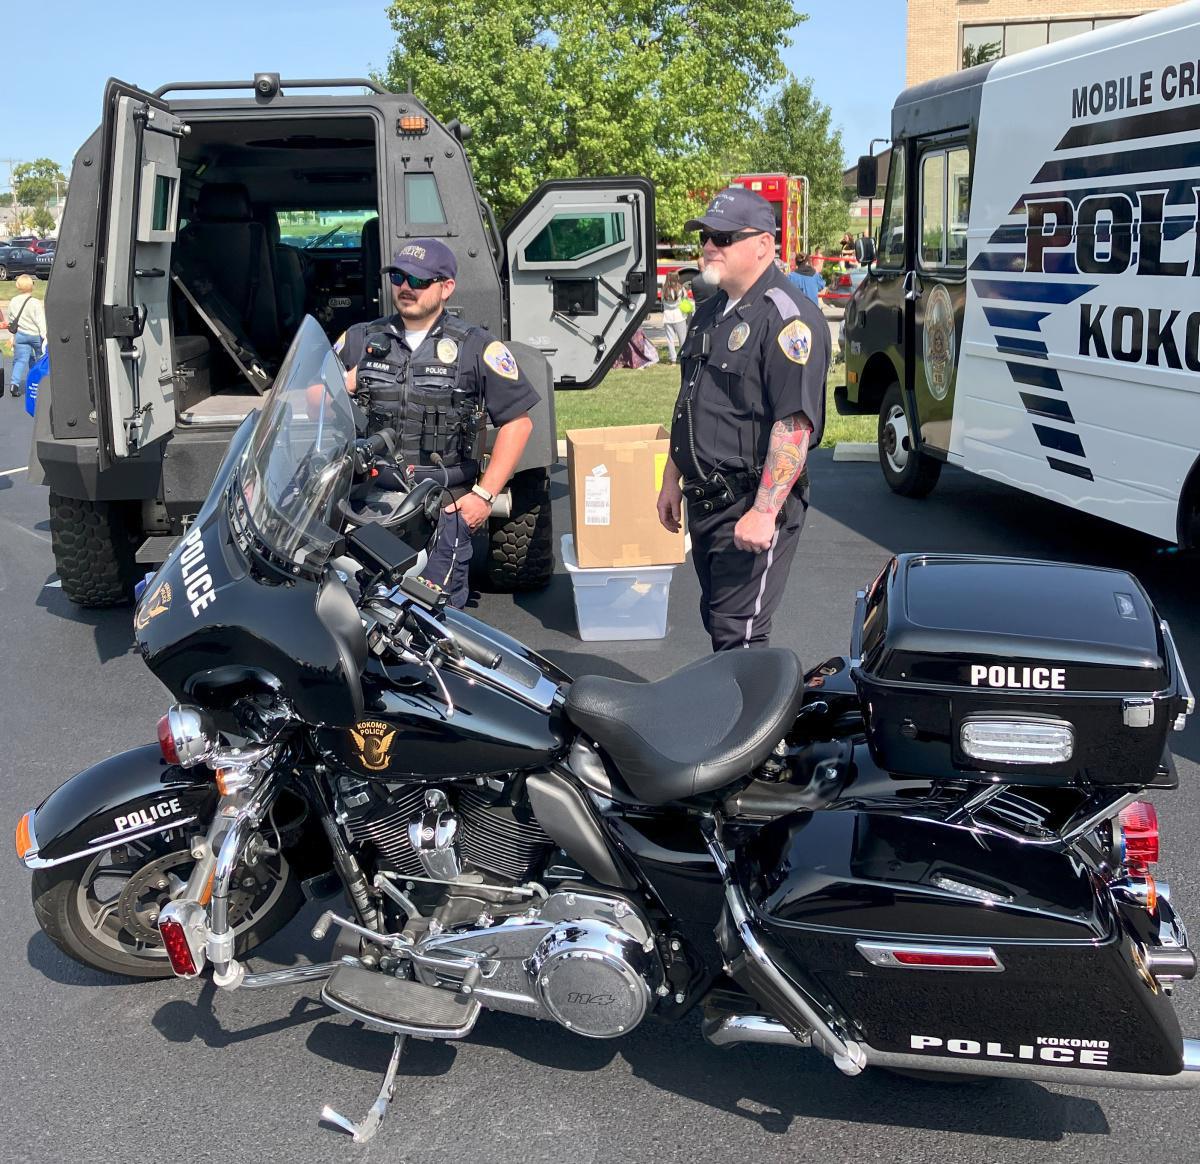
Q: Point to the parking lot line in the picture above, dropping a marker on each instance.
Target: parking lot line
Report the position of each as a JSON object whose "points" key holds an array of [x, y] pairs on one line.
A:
{"points": [[10, 472]]}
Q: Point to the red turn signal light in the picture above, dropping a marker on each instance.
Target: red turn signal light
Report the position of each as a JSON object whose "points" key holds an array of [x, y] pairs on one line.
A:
{"points": [[930, 957], [178, 952], [166, 740], [913, 958], [1139, 832]]}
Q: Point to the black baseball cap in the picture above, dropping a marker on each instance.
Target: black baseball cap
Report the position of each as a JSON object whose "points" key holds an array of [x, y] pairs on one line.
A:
{"points": [[427, 258], [733, 209]]}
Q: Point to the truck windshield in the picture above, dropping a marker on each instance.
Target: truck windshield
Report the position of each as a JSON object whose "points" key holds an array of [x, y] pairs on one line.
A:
{"points": [[297, 465]]}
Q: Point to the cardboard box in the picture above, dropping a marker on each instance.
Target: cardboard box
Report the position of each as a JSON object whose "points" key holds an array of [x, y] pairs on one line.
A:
{"points": [[615, 476]]}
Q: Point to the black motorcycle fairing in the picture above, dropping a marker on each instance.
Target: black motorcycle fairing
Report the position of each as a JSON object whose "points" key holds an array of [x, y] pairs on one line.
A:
{"points": [[818, 884], [130, 795], [296, 630], [697, 730]]}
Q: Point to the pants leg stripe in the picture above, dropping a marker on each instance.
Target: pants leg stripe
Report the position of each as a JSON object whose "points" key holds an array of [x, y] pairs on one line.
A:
{"points": [[762, 586]]}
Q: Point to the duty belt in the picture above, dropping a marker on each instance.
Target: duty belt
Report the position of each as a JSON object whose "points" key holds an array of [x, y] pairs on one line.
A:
{"points": [[720, 490]]}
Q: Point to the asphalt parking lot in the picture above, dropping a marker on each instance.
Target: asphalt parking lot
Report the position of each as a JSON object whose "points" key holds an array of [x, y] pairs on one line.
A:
{"points": [[96, 1068]]}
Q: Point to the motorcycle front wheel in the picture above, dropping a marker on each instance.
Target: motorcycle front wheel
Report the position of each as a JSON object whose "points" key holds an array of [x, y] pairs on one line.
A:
{"points": [[102, 909]]}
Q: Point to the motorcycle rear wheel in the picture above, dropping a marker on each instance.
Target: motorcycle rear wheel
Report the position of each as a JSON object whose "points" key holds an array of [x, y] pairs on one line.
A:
{"points": [[85, 908]]}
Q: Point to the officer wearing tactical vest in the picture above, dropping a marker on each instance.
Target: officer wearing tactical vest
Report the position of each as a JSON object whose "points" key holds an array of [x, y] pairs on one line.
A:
{"points": [[431, 377], [751, 404]]}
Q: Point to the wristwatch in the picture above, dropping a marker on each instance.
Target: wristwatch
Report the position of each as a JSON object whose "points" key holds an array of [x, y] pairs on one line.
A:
{"points": [[480, 491]]}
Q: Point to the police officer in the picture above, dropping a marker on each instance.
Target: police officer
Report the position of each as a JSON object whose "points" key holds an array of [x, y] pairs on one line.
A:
{"points": [[431, 377], [751, 404]]}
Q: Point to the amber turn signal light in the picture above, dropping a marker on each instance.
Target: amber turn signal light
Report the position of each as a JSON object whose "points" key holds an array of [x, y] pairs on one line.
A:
{"points": [[24, 836]]}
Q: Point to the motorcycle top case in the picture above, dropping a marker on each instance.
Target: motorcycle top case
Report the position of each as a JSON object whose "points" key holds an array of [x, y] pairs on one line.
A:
{"points": [[945, 641]]}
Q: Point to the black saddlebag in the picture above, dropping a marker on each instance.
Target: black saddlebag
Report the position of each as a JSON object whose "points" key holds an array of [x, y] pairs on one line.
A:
{"points": [[929, 941], [1021, 671]]}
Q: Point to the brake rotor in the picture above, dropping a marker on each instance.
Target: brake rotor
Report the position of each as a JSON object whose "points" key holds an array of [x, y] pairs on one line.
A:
{"points": [[150, 889]]}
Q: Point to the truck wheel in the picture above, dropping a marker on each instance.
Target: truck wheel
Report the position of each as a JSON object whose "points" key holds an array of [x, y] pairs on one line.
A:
{"points": [[94, 544], [521, 546], [906, 469]]}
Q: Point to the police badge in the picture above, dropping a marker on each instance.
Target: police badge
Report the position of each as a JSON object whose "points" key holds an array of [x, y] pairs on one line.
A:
{"points": [[738, 336], [447, 351]]}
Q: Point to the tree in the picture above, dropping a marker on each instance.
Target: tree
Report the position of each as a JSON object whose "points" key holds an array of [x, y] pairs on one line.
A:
{"points": [[980, 54], [34, 182], [552, 89], [43, 220], [796, 136]]}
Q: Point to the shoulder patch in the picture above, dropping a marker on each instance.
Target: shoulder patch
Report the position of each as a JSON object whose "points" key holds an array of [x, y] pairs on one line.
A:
{"points": [[795, 341], [341, 342], [500, 360], [785, 304]]}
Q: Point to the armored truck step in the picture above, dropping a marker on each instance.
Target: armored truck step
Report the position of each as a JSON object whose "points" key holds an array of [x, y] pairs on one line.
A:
{"points": [[396, 1004]]}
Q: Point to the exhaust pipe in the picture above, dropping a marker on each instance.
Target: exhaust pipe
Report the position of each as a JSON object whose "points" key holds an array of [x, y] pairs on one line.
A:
{"points": [[727, 1029]]}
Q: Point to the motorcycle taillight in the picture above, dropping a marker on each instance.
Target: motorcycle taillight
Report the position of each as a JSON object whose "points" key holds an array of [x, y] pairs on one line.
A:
{"points": [[1139, 834], [176, 944], [166, 740]]}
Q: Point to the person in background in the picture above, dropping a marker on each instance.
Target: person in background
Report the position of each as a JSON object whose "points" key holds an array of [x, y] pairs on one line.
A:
{"points": [[703, 285], [674, 321], [27, 312], [807, 279], [847, 245], [817, 259]]}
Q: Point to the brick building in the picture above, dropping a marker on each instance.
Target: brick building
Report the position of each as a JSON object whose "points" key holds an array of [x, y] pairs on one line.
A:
{"points": [[947, 35]]}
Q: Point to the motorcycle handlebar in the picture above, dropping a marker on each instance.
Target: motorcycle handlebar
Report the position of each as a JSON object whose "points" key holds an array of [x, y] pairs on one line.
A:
{"points": [[380, 443], [478, 650]]}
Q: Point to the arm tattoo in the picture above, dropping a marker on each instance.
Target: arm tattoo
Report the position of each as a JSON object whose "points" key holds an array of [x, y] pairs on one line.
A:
{"points": [[786, 457]]}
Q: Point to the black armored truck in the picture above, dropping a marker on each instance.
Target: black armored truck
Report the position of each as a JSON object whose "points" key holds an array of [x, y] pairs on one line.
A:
{"points": [[205, 220]]}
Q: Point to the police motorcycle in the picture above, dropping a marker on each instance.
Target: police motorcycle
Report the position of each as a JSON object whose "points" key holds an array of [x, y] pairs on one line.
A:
{"points": [[932, 856]]}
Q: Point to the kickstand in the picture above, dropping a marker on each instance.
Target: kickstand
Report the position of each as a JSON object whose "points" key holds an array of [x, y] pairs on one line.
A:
{"points": [[370, 1125]]}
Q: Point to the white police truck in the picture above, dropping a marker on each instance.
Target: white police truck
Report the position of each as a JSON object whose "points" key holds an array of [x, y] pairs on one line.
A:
{"points": [[1032, 313]]}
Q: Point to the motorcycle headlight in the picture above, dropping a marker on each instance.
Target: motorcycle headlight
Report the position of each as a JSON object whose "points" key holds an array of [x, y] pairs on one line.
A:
{"points": [[186, 736]]}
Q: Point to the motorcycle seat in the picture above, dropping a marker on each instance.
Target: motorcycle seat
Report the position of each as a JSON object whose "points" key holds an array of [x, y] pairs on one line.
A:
{"points": [[696, 731]]}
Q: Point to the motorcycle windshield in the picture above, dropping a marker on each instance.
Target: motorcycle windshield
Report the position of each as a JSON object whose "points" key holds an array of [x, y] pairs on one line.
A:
{"points": [[298, 463]]}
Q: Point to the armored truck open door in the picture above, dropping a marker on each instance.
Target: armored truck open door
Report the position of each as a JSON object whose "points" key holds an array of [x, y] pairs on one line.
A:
{"points": [[580, 260], [139, 215]]}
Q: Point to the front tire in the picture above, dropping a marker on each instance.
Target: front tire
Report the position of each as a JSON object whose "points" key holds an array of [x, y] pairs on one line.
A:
{"points": [[92, 911], [521, 546], [906, 469], [94, 544]]}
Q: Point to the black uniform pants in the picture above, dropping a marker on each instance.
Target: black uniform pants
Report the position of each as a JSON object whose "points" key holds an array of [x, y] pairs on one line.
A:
{"points": [[740, 590]]}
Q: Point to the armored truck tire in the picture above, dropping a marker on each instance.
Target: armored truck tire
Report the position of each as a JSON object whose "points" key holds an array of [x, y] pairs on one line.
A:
{"points": [[521, 546], [94, 544], [906, 469]]}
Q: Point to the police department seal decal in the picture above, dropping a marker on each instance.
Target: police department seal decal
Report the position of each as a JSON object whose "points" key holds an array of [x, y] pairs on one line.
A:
{"points": [[373, 741], [500, 360], [157, 603], [738, 336], [447, 351], [796, 342], [938, 342]]}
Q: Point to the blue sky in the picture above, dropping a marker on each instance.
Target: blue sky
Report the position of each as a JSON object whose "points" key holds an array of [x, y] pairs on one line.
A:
{"points": [[857, 64]]}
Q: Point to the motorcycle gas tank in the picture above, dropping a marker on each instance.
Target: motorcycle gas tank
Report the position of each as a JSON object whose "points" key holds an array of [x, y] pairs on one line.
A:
{"points": [[406, 732]]}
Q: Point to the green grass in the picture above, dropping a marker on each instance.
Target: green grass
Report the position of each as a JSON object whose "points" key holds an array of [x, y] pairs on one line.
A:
{"points": [[647, 395], [8, 288]]}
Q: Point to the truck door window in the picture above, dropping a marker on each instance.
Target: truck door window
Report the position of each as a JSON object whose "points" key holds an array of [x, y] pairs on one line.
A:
{"points": [[572, 235], [933, 210], [422, 202], [945, 207], [891, 241]]}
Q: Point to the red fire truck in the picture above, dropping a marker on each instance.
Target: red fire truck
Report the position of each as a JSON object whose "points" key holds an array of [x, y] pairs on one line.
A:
{"points": [[788, 196]]}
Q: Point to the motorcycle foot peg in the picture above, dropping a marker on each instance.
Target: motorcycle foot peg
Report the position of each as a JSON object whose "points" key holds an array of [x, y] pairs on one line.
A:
{"points": [[322, 927], [231, 977], [364, 1131]]}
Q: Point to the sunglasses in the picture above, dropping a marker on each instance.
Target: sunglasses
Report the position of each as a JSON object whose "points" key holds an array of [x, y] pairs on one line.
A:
{"points": [[399, 278], [724, 238]]}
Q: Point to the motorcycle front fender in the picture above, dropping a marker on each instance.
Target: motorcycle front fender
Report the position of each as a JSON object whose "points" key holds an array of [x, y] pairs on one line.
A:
{"points": [[128, 796]]}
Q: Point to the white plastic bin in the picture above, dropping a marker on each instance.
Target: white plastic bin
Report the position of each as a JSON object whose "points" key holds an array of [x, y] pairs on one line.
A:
{"points": [[625, 603]]}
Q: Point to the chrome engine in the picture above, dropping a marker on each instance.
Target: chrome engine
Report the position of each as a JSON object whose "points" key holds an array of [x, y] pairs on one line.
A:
{"points": [[585, 960]]}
